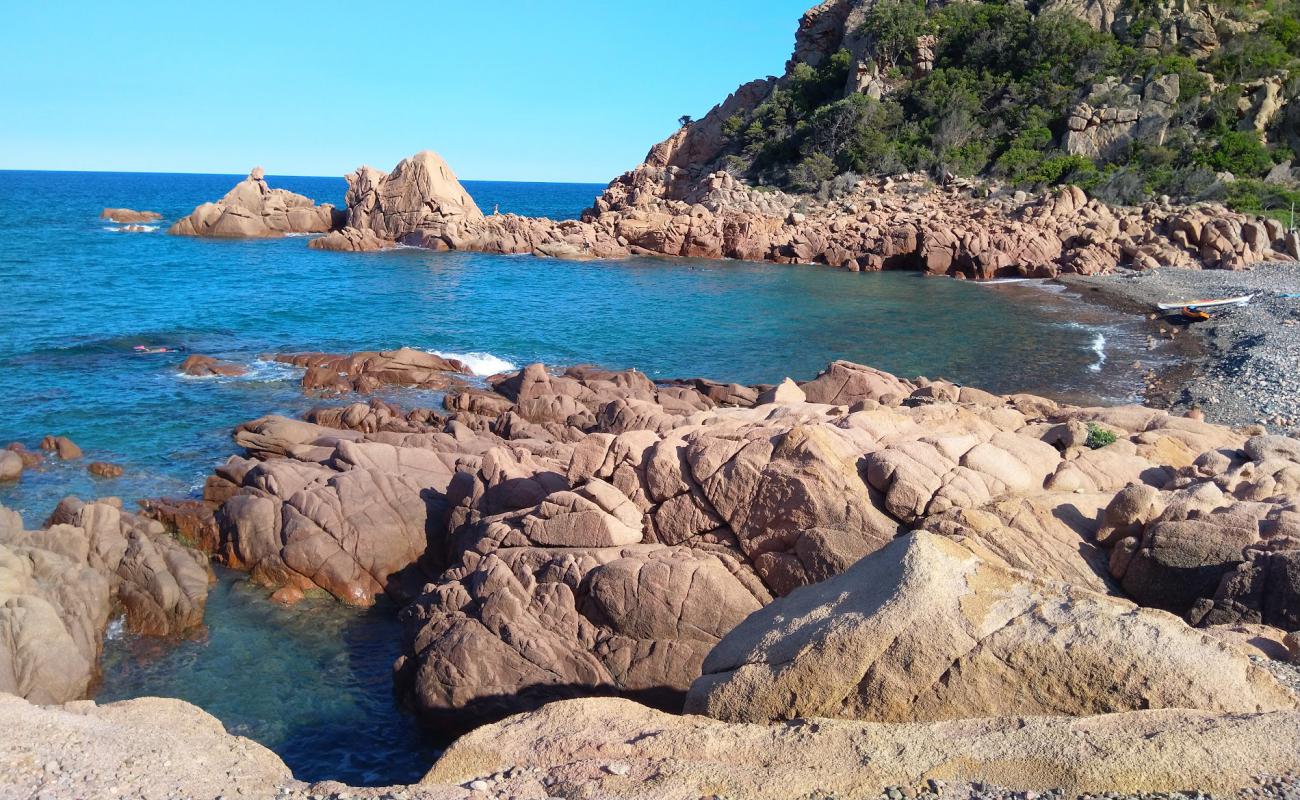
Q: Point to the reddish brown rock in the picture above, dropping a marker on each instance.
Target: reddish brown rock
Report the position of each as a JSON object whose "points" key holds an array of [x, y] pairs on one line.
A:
{"points": [[66, 449], [103, 469], [352, 240], [126, 215], [30, 458], [367, 371], [205, 366], [193, 521], [558, 530]]}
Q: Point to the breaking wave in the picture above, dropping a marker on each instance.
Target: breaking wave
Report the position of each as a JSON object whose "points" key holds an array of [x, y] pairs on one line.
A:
{"points": [[481, 364]]}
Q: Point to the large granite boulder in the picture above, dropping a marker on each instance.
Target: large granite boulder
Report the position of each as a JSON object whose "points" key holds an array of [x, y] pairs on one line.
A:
{"points": [[421, 193], [254, 210], [930, 629], [53, 611]]}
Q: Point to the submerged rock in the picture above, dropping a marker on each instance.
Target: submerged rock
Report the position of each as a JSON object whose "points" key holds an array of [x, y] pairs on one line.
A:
{"points": [[103, 469], [204, 366]]}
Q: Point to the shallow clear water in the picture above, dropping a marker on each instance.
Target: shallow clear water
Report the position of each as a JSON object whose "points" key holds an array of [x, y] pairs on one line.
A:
{"points": [[311, 682], [79, 296]]}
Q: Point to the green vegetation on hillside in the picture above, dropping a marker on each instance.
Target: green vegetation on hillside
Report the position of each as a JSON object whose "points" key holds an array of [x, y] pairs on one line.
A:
{"points": [[997, 103]]}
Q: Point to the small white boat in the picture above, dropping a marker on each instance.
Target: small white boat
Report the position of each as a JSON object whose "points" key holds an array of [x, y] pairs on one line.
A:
{"points": [[1223, 302]]}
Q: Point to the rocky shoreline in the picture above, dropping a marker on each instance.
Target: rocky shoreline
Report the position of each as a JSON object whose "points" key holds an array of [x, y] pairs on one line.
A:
{"points": [[855, 564]]}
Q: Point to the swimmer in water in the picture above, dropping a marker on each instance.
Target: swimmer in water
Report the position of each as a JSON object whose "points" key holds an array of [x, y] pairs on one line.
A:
{"points": [[146, 350]]}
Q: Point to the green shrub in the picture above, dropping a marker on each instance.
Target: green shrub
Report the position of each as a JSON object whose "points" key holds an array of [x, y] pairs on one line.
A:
{"points": [[1099, 437], [1241, 153], [808, 175], [894, 26], [998, 99], [1258, 197]]}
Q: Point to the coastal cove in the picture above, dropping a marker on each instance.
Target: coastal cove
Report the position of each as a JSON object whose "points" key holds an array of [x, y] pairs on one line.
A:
{"points": [[72, 371]]}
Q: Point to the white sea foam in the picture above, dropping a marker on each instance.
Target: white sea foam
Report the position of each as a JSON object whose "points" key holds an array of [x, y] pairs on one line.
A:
{"points": [[1098, 347], [264, 370], [115, 628], [300, 234], [132, 229], [481, 364]]}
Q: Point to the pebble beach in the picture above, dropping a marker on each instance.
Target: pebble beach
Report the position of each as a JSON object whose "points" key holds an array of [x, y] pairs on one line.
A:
{"points": [[1243, 359]]}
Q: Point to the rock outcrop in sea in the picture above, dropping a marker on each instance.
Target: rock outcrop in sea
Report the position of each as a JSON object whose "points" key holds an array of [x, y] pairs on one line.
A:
{"points": [[128, 215], [254, 210]]}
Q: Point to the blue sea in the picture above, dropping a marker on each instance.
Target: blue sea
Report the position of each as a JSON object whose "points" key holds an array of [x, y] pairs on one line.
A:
{"points": [[313, 682]]}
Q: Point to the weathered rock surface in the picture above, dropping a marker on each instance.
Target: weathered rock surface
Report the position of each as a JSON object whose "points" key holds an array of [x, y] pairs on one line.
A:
{"points": [[159, 749], [149, 748], [11, 465], [127, 215], [58, 587], [254, 210], [556, 531], [352, 240], [895, 223], [1221, 543], [367, 371], [420, 193], [615, 748], [930, 629]]}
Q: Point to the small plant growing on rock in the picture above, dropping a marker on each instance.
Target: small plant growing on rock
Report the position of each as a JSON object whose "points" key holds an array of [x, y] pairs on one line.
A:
{"points": [[1098, 437]]}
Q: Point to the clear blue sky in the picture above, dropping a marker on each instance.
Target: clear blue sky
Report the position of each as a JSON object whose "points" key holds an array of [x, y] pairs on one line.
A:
{"points": [[506, 90]]}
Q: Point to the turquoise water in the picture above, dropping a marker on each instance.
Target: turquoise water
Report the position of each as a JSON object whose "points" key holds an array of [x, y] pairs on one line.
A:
{"points": [[80, 295]]}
